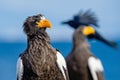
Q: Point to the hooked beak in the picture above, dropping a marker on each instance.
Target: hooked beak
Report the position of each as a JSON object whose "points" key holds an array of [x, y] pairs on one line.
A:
{"points": [[44, 24]]}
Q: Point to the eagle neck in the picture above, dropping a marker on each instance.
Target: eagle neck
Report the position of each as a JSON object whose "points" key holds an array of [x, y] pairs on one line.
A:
{"points": [[78, 39], [38, 43]]}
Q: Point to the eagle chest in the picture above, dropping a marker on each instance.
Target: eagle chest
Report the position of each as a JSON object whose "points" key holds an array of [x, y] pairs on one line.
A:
{"points": [[40, 62]]}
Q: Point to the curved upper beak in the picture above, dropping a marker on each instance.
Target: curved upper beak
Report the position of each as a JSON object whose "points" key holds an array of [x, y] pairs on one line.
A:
{"points": [[44, 24]]}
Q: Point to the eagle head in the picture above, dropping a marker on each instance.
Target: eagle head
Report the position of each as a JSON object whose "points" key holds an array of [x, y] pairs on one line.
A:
{"points": [[36, 23]]}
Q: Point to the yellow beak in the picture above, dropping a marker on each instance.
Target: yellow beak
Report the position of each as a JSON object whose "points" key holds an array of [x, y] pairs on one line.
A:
{"points": [[88, 30], [44, 24]]}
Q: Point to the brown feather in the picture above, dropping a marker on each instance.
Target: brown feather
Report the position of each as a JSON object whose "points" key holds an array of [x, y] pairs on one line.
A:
{"points": [[39, 59], [77, 60]]}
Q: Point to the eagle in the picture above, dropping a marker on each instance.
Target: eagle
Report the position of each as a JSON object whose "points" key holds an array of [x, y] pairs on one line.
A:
{"points": [[82, 64], [40, 61], [88, 18]]}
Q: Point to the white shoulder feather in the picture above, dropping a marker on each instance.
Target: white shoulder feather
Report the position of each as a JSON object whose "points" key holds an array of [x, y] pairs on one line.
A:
{"points": [[61, 64], [95, 65], [19, 70]]}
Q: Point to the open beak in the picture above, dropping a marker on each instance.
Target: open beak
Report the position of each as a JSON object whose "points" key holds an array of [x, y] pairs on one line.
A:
{"points": [[44, 24]]}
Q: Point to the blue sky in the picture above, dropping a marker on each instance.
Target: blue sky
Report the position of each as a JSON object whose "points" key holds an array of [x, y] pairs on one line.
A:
{"points": [[14, 12]]}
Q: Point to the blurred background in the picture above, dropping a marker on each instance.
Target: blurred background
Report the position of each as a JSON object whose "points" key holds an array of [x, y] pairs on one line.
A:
{"points": [[13, 40]]}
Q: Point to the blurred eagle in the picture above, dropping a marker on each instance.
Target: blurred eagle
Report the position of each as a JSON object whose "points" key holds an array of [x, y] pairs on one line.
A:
{"points": [[88, 18], [82, 64]]}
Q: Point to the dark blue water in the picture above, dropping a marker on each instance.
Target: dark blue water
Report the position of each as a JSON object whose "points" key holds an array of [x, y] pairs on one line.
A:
{"points": [[9, 53]]}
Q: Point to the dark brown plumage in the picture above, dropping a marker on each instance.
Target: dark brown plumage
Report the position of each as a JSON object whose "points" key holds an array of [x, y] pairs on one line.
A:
{"points": [[81, 62], [39, 61]]}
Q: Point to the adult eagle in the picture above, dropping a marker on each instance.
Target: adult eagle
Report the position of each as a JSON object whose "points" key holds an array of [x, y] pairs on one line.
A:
{"points": [[40, 61], [82, 64]]}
